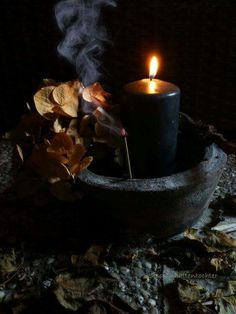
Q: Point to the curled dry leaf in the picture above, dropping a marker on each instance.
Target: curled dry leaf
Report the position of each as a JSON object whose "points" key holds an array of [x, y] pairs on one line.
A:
{"points": [[213, 240], [96, 254], [221, 239], [190, 292], [7, 264], [60, 99], [225, 299], [57, 126], [73, 292], [95, 94], [67, 97], [224, 262], [43, 101], [59, 159], [47, 166], [73, 131]]}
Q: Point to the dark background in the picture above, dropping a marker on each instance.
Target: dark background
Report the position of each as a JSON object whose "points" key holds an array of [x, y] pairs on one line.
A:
{"points": [[196, 41]]}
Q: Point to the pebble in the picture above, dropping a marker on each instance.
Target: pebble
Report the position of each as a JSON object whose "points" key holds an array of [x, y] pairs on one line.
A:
{"points": [[124, 270], [139, 264], [2, 295], [146, 278], [140, 299], [144, 293], [138, 272], [152, 302], [51, 260], [47, 283], [122, 286], [148, 265]]}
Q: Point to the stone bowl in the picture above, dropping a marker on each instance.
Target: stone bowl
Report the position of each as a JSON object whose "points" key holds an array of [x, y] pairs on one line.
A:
{"points": [[162, 206]]}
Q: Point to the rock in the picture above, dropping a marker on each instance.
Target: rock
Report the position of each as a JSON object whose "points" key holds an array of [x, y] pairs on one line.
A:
{"points": [[140, 299], [124, 270], [148, 265], [152, 302], [146, 278]]}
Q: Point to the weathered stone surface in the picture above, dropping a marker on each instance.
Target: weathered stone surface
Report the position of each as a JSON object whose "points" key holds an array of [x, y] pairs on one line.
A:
{"points": [[163, 206], [6, 165]]}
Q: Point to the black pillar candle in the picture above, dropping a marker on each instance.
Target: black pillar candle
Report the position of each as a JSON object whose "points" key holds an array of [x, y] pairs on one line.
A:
{"points": [[150, 114]]}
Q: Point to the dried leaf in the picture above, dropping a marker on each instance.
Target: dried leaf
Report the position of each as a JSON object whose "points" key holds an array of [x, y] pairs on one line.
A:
{"points": [[96, 254], [60, 144], [225, 299], [85, 163], [192, 234], [224, 262], [95, 94], [20, 153], [47, 166], [73, 131], [8, 264], [73, 292], [43, 102], [217, 238], [57, 126], [67, 97], [213, 241], [190, 292]]}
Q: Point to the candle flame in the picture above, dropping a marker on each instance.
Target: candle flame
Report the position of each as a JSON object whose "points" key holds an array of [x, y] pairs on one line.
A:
{"points": [[154, 64]]}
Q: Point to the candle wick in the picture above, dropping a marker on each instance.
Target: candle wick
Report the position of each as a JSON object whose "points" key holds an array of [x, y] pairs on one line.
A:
{"points": [[151, 78]]}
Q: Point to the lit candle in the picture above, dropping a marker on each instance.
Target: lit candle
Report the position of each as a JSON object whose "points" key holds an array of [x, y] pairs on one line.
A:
{"points": [[150, 113]]}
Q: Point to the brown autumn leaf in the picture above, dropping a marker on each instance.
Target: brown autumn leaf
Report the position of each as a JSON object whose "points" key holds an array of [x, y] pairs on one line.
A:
{"points": [[60, 144], [72, 293], [73, 131], [96, 254], [95, 94], [43, 102], [225, 299], [58, 99], [224, 262], [66, 96], [57, 126], [7, 264], [63, 150], [190, 292], [47, 166], [221, 239], [212, 240]]}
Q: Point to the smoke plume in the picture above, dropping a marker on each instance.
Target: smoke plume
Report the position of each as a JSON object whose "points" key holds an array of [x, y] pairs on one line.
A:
{"points": [[85, 36]]}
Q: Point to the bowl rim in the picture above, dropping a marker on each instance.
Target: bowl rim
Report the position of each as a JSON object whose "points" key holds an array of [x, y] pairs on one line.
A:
{"points": [[211, 165]]}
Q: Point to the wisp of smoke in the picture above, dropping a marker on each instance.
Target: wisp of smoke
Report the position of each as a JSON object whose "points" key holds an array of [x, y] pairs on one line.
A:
{"points": [[84, 35]]}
